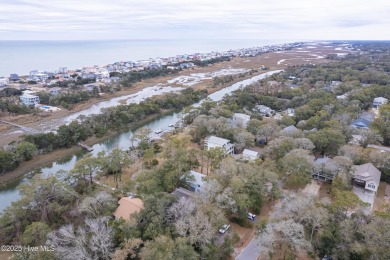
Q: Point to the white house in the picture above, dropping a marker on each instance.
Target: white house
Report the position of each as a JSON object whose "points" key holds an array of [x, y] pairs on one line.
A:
{"points": [[41, 77], [365, 183], [368, 177], [213, 142], [240, 120], [379, 101], [197, 180], [290, 111], [29, 100], [250, 155], [3, 81]]}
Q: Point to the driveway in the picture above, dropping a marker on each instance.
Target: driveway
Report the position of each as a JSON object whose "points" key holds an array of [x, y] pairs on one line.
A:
{"points": [[252, 251]]}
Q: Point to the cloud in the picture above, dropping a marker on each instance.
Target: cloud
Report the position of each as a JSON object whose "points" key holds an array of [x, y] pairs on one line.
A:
{"points": [[147, 19]]}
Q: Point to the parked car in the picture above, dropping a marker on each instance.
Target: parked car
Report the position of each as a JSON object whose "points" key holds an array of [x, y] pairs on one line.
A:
{"points": [[224, 228], [251, 216]]}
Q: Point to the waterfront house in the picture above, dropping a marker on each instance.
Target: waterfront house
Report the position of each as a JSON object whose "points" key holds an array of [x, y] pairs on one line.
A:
{"points": [[240, 120], [29, 100], [250, 155], [127, 207], [213, 142], [379, 101]]}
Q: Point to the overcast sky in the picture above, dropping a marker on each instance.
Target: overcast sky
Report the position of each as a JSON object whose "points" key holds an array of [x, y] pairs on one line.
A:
{"points": [[189, 19]]}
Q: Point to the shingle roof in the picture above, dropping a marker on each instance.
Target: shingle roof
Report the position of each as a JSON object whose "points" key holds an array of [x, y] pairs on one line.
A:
{"points": [[127, 207], [367, 172]]}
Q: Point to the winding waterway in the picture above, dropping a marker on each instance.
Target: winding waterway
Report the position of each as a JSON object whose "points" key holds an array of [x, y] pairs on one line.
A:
{"points": [[10, 193]]}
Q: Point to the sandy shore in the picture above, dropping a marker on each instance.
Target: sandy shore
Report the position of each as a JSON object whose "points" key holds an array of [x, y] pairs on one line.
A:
{"points": [[274, 60]]}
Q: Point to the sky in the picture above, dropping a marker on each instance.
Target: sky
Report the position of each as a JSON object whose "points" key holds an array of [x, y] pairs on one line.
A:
{"points": [[194, 19]]}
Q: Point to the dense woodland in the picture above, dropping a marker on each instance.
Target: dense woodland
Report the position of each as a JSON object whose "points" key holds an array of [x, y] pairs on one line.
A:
{"points": [[74, 213]]}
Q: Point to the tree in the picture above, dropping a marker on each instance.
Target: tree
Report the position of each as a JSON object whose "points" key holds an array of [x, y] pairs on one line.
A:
{"points": [[369, 136], [382, 124], [91, 241], [26, 150], [191, 222], [298, 166], [327, 140], [243, 139], [35, 234], [87, 165], [215, 156], [97, 205], [163, 247]]}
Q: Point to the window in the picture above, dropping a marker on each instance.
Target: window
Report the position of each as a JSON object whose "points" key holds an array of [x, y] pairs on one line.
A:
{"points": [[371, 185]]}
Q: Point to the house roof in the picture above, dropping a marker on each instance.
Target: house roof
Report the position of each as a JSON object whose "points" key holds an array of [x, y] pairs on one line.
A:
{"points": [[198, 178], [250, 152], [361, 122], [183, 193], [290, 128], [127, 207], [217, 140], [367, 172], [380, 99], [28, 96]]}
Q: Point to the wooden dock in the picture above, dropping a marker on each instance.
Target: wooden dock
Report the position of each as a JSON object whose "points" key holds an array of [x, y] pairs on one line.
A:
{"points": [[86, 147]]}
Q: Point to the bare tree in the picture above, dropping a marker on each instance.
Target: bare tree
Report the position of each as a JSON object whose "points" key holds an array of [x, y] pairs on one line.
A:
{"points": [[91, 241], [96, 205]]}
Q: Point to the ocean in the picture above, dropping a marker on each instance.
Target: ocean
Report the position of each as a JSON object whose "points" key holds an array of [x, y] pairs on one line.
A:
{"points": [[20, 57]]}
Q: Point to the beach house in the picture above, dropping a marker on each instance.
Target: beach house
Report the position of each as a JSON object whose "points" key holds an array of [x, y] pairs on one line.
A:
{"points": [[213, 142], [29, 100], [3, 81]]}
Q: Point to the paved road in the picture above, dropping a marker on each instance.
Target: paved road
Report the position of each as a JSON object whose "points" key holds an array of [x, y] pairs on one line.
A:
{"points": [[251, 252]]}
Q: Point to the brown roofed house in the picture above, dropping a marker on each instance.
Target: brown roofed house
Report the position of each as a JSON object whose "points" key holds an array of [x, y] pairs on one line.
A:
{"points": [[367, 176], [127, 207]]}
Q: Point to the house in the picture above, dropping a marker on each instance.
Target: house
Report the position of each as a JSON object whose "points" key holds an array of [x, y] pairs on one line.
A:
{"points": [[365, 183], [263, 110], [213, 142], [127, 207], [361, 123], [379, 101], [196, 180], [368, 177], [91, 88], [290, 130], [41, 77], [3, 81], [240, 120], [63, 70], [14, 77], [250, 155], [54, 91], [29, 100], [320, 173]]}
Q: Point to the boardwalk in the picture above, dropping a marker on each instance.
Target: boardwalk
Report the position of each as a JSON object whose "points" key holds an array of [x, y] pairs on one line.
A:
{"points": [[24, 128]]}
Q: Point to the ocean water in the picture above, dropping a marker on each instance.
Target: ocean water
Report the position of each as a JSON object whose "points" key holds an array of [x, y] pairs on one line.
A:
{"points": [[23, 56]]}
